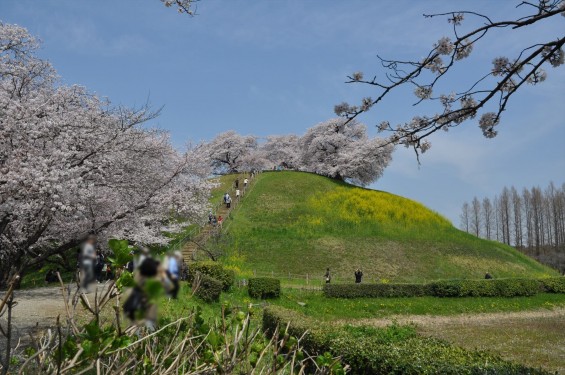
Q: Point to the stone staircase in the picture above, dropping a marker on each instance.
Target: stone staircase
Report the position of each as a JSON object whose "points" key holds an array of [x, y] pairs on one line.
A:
{"points": [[201, 237]]}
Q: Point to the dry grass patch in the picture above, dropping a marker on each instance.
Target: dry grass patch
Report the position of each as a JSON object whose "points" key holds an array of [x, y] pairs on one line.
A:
{"points": [[534, 338]]}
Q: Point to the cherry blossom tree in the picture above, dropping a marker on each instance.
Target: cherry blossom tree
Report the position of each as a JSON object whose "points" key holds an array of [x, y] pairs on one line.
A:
{"points": [[71, 164], [283, 150], [487, 98], [228, 151], [341, 149], [255, 161]]}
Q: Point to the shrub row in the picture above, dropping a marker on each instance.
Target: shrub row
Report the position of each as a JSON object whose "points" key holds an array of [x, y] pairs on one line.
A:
{"points": [[553, 284], [212, 269], [392, 350], [374, 290], [209, 289], [451, 288], [485, 288], [264, 287]]}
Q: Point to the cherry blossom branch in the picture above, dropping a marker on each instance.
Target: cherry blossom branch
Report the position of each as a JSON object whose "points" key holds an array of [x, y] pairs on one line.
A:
{"points": [[464, 105]]}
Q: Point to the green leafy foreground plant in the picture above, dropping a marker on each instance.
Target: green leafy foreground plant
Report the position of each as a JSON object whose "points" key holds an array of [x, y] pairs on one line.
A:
{"points": [[224, 345]]}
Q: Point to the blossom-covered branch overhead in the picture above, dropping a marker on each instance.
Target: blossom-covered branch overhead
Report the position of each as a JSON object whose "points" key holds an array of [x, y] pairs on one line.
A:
{"points": [[487, 98]]}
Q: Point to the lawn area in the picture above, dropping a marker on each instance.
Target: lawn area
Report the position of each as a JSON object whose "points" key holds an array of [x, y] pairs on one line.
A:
{"points": [[535, 341], [322, 308], [319, 307], [301, 223], [528, 330]]}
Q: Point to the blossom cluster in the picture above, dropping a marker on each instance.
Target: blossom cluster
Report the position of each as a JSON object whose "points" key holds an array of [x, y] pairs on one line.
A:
{"points": [[71, 164], [335, 148]]}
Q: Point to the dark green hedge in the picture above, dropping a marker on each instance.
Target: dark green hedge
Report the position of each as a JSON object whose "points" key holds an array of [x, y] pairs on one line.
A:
{"points": [[553, 284], [212, 269], [485, 288], [392, 350], [374, 290], [450, 288], [209, 289], [264, 287]]}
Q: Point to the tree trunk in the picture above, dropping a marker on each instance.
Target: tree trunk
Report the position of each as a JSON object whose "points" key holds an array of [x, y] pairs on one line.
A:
{"points": [[7, 273]]}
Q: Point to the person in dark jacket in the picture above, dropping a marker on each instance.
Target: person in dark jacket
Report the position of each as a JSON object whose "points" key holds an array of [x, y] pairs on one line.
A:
{"points": [[99, 267], [328, 276], [358, 276], [488, 276]]}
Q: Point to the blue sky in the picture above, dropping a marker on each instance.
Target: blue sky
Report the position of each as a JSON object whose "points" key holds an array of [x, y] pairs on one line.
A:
{"points": [[278, 67]]}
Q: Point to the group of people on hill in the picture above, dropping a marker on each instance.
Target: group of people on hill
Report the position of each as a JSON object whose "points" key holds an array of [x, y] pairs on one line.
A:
{"points": [[358, 276], [227, 200], [215, 220], [245, 182]]}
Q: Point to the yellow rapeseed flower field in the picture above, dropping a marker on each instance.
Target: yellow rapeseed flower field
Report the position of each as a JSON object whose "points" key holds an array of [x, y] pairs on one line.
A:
{"points": [[357, 205]]}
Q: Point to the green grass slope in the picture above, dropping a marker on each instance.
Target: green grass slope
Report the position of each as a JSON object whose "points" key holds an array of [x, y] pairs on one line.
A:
{"points": [[301, 223]]}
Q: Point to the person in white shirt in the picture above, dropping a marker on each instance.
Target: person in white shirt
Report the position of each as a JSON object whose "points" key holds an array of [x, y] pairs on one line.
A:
{"points": [[173, 271], [245, 182], [237, 192], [87, 262]]}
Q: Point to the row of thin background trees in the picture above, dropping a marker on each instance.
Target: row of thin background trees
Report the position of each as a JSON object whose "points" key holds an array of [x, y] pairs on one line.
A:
{"points": [[532, 220]]}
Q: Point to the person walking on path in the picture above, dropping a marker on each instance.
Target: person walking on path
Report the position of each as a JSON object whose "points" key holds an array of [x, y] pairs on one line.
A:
{"points": [[358, 276], [237, 194], [173, 271], [138, 305], [99, 267], [87, 263], [245, 182], [237, 183], [220, 221], [328, 276], [228, 201]]}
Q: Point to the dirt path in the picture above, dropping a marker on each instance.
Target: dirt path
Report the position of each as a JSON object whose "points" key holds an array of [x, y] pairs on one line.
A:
{"points": [[38, 308]]}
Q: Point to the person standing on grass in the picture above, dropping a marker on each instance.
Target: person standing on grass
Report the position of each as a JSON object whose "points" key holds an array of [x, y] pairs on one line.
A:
{"points": [[214, 221], [328, 276], [228, 201], [237, 193], [220, 221], [237, 183], [245, 182], [358, 276]]}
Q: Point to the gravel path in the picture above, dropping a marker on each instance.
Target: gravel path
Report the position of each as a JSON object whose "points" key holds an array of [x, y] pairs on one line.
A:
{"points": [[37, 309]]}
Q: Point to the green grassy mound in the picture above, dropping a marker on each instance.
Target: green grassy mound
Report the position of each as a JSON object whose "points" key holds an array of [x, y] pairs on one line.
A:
{"points": [[298, 224]]}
